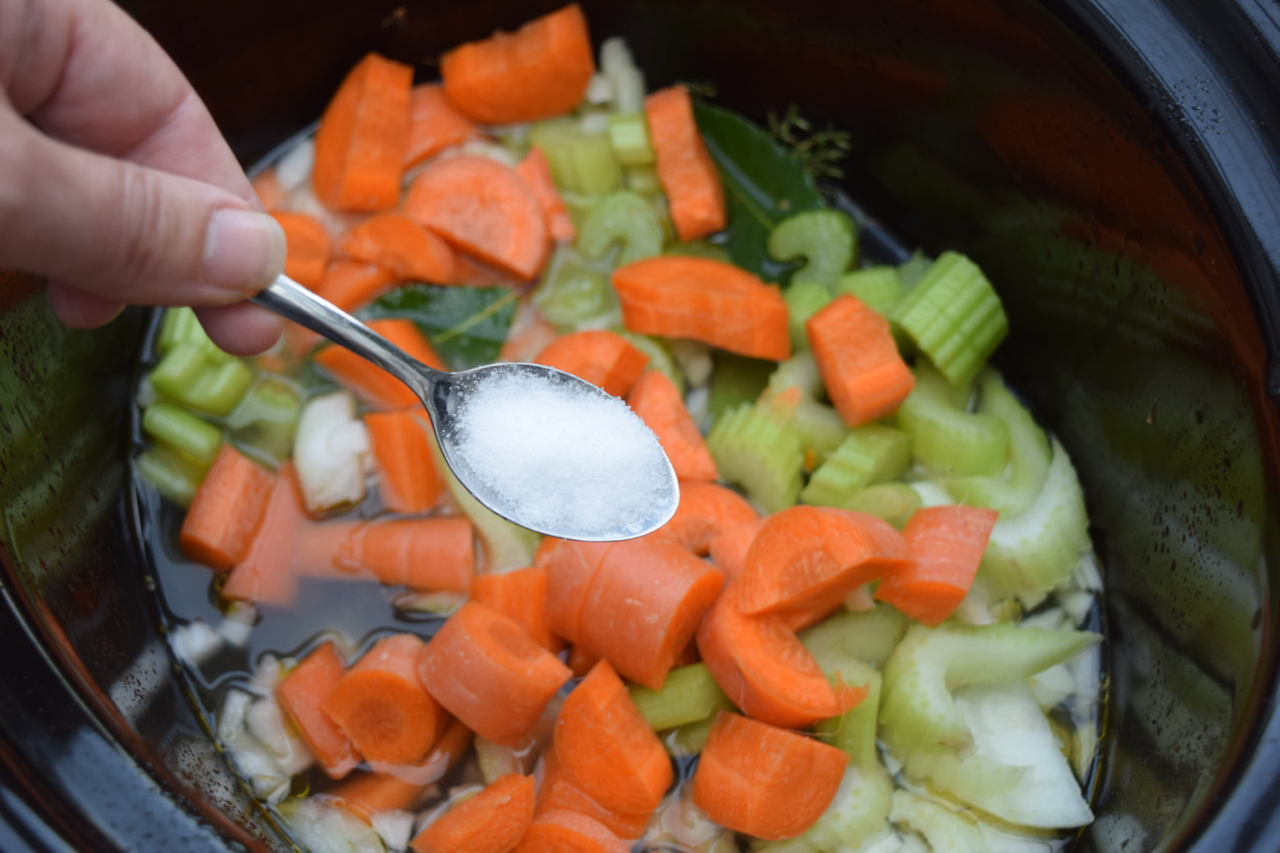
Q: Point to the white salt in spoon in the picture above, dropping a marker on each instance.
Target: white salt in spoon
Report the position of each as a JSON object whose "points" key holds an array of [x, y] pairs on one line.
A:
{"points": [[538, 446]]}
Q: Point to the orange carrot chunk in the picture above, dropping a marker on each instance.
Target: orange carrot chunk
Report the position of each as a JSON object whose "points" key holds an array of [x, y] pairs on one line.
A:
{"points": [[603, 358], [539, 71], [402, 246], [266, 574], [729, 547], [373, 384], [366, 794], [436, 553], [484, 209], [581, 660], [536, 172], [490, 674], [522, 595], [705, 511], [530, 334], [226, 511], [301, 694], [363, 134], [946, 543], [408, 480], [308, 248], [571, 566], [352, 284], [656, 400], [267, 186], [492, 821], [858, 359], [434, 124], [644, 605], [607, 749], [558, 793], [765, 781], [382, 706], [678, 296], [685, 168], [560, 831]]}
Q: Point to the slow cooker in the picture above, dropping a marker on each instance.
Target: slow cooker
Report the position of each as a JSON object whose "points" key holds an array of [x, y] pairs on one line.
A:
{"points": [[1113, 164]]}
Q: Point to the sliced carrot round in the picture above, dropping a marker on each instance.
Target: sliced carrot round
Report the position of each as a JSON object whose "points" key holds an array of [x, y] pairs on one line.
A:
{"points": [[352, 284], [603, 358], [561, 831], [404, 247], [308, 248], [705, 511], [571, 566], [659, 404], [490, 822], [301, 694]]}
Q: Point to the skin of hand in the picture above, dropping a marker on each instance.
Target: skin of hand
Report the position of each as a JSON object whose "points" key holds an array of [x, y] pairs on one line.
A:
{"points": [[115, 182]]}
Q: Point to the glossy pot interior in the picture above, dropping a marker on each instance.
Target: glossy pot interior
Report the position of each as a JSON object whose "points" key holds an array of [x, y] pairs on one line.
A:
{"points": [[1107, 164]]}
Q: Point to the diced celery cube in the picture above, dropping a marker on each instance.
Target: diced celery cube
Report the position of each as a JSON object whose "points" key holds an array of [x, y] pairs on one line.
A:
{"points": [[944, 436], [870, 454], [629, 136], [622, 217], [879, 288], [826, 239], [758, 454]]}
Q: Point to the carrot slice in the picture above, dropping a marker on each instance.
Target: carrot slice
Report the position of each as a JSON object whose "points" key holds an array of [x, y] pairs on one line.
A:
{"points": [[705, 511], [571, 566], [226, 511], [581, 660], [521, 595], [644, 605], [656, 400], [366, 794], [301, 694], [267, 186], [530, 334], [561, 831], [308, 247], [729, 547], [409, 481], [352, 284], [436, 553], [859, 361], [607, 749], [382, 706], [266, 573], [434, 124], [603, 358], [490, 674], [539, 71], [483, 208], [764, 670], [536, 172], [765, 781], [947, 543], [492, 821], [362, 138], [679, 296], [557, 793], [685, 168], [404, 247], [373, 384]]}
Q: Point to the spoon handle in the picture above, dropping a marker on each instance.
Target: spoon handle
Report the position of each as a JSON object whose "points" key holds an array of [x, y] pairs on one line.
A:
{"points": [[290, 300]]}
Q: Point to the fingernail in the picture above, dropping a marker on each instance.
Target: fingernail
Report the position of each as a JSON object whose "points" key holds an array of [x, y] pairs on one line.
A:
{"points": [[243, 250]]}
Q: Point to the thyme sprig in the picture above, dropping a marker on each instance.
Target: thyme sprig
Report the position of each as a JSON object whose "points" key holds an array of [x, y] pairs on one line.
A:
{"points": [[819, 152]]}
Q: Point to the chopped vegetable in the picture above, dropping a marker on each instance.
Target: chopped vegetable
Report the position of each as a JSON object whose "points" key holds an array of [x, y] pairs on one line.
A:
{"points": [[308, 248], [492, 821], [331, 451], [398, 244], [600, 357], [858, 360], [302, 693], [685, 168], [226, 511], [657, 402]]}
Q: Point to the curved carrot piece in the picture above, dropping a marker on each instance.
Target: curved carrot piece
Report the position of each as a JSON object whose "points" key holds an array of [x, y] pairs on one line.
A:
{"points": [[765, 781], [404, 247], [560, 831], [546, 552], [436, 553], [373, 384], [705, 511], [226, 511], [644, 605], [308, 247], [382, 706], [490, 674], [603, 358], [656, 400], [301, 694], [536, 172], [558, 793], [352, 284], [362, 137], [764, 670], [492, 821], [522, 595], [483, 208], [571, 566], [729, 547], [434, 124], [679, 296], [858, 358], [408, 480], [582, 659], [266, 574], [366, 794], [539, 71], [685, 168], [946, 544]]}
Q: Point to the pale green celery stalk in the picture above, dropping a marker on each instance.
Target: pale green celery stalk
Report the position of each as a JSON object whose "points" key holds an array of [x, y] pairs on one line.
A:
{"points": [[699, 249], [174, 477], [869, 635], [799, 371], [689, 694], [627, 79], [944, 436], [804, 298], [893, 502], [1035, 551], [826, 239], [913, 269], [690, 738], [819, 426], [643, 180], [660, 357], [183, 361], [622, 217], [854, 731], [196, 439], [858, 816], [879, 288], [945, 830], [192, 375], [868, 455], [737, 380], [954, 317], [267, 417], [180, 326], [758, 454], [506, 545], [629, 136], [919, 713], [580, 162], [574, 296]]}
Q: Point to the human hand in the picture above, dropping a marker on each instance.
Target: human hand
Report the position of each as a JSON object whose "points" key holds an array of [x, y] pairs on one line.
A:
{"points": [[115, 182]]}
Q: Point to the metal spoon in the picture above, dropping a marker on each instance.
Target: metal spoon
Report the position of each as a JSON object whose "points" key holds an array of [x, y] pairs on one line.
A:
{"points": [[446, 395]]}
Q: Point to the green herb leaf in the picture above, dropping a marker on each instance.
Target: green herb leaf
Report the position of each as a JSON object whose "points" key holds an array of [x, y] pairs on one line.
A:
{"points": [[762, 185], [466, 325]]}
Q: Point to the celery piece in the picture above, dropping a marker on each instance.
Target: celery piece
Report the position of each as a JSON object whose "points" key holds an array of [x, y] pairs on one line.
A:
{"points": [[180, 326], [870, 454], [913, 269], [196, 439], [689, 694], [756, 453], [178, 369], [819, 426], [804, 298], [505, 545], [854, 731], [893, 502], [690, 738], [580, 162], [954, 317], [629, 136], [826, 239], [622, 217], [573, 296], [700, 249], [626, 78], [174, 477], [737, 380], [799, 371], [267, 416], [945, 830], [869, 635], [879, 288], [857, 817], [660, 357], [643, 180], [944, 436], [918, 712], [217, 389]]}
